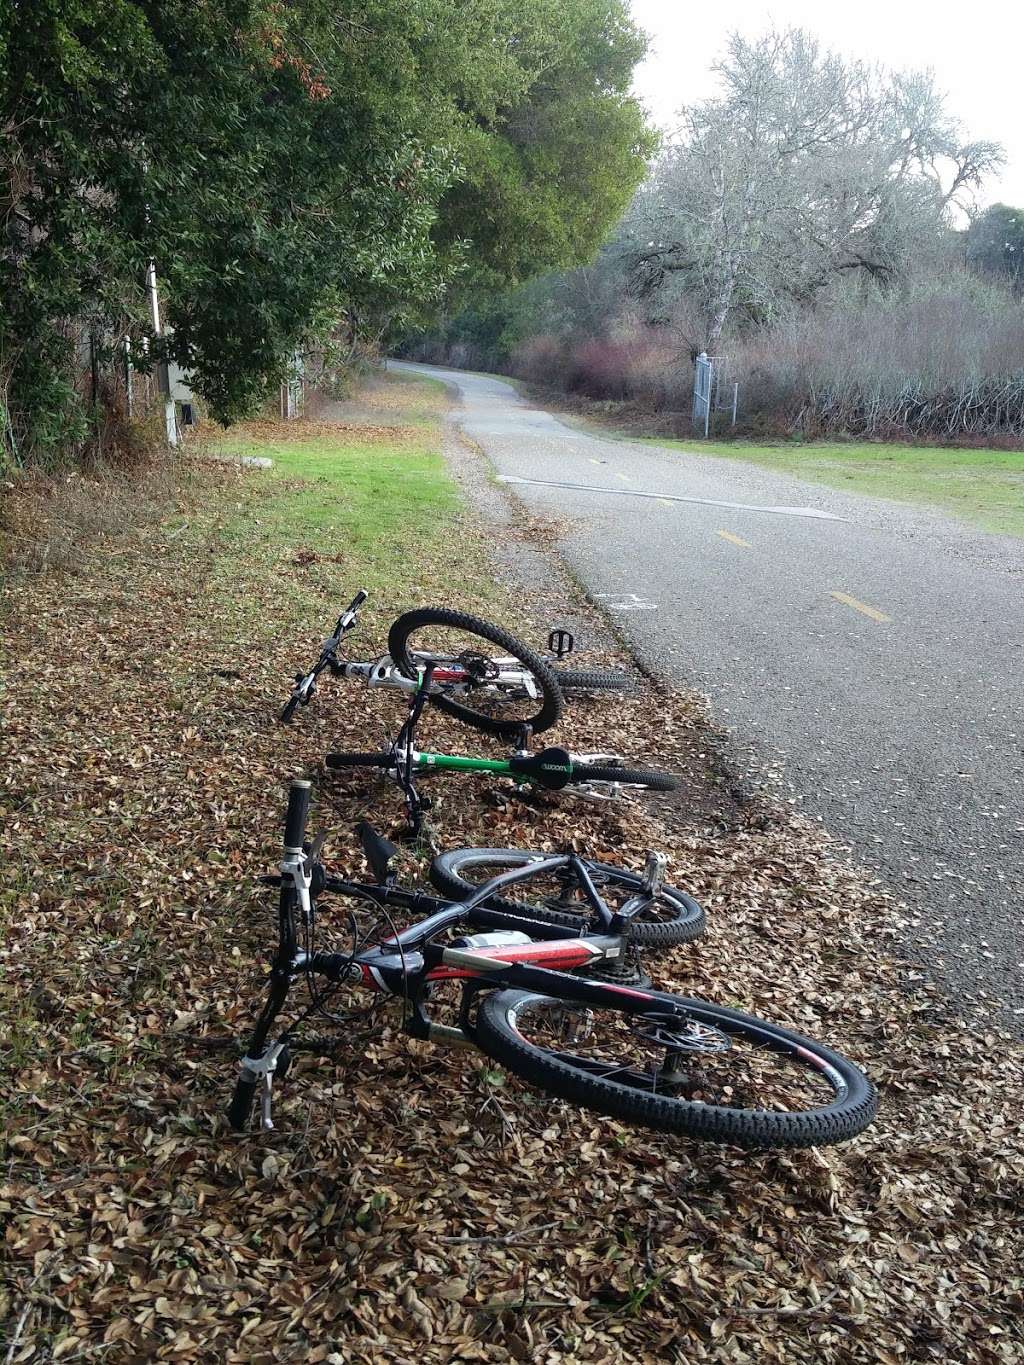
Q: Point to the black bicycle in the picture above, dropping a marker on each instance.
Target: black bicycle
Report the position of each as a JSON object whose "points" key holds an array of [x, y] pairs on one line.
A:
{"points": [[529, 997], [595, 777], [482, 674]]}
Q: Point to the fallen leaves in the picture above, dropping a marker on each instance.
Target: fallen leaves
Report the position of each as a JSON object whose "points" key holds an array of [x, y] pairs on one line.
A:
{"points": [[399, 1213]]}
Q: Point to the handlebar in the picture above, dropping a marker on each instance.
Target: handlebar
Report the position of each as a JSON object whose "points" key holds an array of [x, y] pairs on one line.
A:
{"points": [[298, 810], [347, 619]]}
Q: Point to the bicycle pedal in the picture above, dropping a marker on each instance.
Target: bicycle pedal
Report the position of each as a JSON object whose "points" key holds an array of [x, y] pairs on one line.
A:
{"points": [[561, 642]]}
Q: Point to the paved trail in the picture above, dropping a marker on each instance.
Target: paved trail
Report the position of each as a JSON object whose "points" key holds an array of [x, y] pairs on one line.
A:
{"points": [[872, 649]]}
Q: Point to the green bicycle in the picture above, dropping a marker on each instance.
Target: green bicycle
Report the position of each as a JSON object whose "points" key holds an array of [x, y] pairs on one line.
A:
{"points": [[595, 777]]}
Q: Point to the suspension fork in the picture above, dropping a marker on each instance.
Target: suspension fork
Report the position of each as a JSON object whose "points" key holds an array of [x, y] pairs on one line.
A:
{"points": [[262, 1057], [415, 805]]}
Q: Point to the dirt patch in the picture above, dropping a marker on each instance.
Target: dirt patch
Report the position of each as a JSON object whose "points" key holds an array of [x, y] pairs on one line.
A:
{"points": [[323, 429]]}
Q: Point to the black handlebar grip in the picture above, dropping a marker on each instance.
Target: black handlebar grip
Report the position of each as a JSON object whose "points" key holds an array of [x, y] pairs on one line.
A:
{"points": [[298, 809], [359, 599], [240, 1108]]}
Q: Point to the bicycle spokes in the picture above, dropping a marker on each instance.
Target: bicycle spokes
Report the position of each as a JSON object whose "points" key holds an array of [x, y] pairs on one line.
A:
{"points": [[487, 683], [666, 1055]]}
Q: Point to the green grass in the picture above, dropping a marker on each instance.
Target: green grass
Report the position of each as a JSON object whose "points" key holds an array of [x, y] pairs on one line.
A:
{"points": [[373, 506], [347, 492], [984, 487]]}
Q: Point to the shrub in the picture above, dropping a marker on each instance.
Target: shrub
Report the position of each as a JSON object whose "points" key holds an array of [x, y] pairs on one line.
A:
{"points": [[939, 362]]}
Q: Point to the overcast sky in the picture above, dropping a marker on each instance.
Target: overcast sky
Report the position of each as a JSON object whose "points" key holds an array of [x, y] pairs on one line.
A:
{"points": [[975, 51]]}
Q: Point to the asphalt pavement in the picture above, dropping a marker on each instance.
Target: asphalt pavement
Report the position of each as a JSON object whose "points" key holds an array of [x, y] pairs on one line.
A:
{"points": [[867, 653]]}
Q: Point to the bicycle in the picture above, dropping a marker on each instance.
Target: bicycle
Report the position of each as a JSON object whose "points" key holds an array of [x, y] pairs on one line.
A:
{"points": [[529, 1000], [596, 777], [486, 690]]}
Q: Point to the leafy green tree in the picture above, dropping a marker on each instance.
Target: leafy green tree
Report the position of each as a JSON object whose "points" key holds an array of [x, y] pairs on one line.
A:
{"points": [[549, 172], [286, 163]]}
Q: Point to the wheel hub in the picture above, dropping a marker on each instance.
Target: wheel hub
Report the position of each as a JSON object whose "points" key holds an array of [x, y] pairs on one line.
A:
{"points": [[479, 667], [680, 1035]]}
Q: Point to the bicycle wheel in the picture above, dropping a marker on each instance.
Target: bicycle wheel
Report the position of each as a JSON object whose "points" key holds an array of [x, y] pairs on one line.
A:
{"points": [[668, 918], [593, 680], [502, 684], [721, 1076], [626, 777]]}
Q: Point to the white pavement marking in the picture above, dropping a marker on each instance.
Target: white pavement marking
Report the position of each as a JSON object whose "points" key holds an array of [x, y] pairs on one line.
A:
{"points": [[675, 497], [626, 601]]}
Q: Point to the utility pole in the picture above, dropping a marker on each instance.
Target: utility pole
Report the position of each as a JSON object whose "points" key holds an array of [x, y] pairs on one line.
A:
{"points": [[170, 420]]}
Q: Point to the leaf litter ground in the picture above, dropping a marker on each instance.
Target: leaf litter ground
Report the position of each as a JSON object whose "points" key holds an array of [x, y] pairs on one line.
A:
{"points": [[416, 1203]]}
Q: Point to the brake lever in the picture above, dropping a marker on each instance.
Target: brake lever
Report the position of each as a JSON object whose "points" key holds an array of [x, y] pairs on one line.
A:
{"points": [[350, 615]]}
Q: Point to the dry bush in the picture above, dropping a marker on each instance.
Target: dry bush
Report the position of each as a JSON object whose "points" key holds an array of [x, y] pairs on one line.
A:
{"points": [[541, 360], [660, 373], [633, 363], [52, 521], [942, 363]]}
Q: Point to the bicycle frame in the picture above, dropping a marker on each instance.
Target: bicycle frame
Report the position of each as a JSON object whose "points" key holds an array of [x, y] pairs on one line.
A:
{"points": [[408, 963], [552, 768], [409, 760], [450, 675]]}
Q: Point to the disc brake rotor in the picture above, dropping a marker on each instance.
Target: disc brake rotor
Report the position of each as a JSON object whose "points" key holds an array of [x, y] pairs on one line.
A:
{"points": [[680, 1035]]}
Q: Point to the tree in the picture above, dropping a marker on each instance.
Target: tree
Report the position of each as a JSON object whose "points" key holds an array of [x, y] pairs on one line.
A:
{"points": [[549, 172], [995, 243], [806, 167], [285, 163]]}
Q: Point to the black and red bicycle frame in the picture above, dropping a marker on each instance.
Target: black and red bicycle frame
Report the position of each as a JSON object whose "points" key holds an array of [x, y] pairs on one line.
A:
{"points": [[546, 958]]}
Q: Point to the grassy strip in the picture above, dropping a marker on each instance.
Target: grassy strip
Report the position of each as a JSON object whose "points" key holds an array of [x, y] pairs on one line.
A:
{"points": [[983, 487], [365, 501]]}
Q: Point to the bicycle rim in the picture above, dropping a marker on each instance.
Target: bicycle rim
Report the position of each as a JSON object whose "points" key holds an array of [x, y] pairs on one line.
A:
{"points": [[501, 685], [723, 1076], [661, 921]]}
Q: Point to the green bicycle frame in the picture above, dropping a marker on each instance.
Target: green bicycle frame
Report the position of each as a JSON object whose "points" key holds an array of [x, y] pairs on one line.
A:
{"points": [[523, 769], [457, 763]]}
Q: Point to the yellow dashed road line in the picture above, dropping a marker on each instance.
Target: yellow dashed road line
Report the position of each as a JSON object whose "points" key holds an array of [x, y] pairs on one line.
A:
{"points": [[623, 477], [862, 607], [665, 502], [734, 540]]}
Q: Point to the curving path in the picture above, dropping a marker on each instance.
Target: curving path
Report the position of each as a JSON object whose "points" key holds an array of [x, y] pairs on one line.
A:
{"points": [[872, 651]]}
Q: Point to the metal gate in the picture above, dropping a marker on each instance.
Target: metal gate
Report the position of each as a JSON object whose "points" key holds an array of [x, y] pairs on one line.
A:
{"points": [[709, 380]]}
